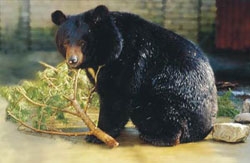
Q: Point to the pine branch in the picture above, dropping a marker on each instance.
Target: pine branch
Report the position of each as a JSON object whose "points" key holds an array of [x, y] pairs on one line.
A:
{"points": [[79, 112], [44, 105]]}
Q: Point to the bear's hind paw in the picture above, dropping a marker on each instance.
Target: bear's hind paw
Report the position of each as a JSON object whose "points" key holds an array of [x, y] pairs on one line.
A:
{"points": [[160, 141]]}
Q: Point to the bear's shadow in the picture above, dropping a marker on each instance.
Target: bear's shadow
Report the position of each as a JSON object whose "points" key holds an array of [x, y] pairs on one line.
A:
{"points": [[128, 137]]}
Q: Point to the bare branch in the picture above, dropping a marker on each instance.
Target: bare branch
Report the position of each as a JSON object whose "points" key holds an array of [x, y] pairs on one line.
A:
{"points": [[50, 132], [30, 100], [75, 83], [92, 90], [88, 99], [111, 142], [48, 66], [107, 139], [50, 83]]}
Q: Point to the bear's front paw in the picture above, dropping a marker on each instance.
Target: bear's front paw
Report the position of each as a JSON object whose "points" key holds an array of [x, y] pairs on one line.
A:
{"points": [[93, 139]]}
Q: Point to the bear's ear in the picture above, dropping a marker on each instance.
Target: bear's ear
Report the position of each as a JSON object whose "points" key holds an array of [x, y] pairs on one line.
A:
{"points": [[99, 14], [58, 17]]}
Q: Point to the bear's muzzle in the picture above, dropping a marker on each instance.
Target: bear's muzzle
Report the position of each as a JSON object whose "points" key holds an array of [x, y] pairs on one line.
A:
{"points": [[74, 56]]}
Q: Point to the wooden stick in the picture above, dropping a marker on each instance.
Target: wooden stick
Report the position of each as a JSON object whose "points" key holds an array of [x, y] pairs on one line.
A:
{"points": [[50, 132], [48, 66], [107, 139]]}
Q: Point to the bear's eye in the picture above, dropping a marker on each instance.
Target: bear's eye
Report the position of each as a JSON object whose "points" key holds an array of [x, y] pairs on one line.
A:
{"points": [[65, 43], [82, 43]]}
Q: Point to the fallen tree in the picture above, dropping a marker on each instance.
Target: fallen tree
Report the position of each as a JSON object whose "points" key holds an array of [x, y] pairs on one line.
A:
{"points": [[40, 105]]}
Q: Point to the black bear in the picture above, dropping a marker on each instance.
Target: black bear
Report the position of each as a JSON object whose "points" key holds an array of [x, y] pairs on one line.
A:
{"points": [[156, 78]]}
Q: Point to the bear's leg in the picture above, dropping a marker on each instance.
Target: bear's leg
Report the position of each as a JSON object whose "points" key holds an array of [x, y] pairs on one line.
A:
{"points": [[158, 126], [162, 137], [113, 117], [158, 132], [162, 140]]}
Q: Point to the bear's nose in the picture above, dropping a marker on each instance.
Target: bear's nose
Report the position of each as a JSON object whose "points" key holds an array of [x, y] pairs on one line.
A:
{"points": [[73, 59]]}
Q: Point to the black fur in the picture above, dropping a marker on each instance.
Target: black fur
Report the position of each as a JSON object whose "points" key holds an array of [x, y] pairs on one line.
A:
{"points": [[157, 78]]}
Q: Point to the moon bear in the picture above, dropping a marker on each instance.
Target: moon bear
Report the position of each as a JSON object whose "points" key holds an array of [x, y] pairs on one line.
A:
{"points": [[161, 81]]}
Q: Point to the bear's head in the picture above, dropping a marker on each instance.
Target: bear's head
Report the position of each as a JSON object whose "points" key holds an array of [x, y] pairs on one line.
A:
{"points": [[88, 39]]}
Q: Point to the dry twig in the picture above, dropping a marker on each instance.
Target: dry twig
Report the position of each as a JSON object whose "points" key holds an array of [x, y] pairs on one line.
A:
{"points": [[49, 132], [48, 66]]}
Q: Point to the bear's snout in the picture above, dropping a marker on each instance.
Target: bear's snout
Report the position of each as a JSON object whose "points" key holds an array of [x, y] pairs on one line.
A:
{"points": [[73, 60], [74, 56]]}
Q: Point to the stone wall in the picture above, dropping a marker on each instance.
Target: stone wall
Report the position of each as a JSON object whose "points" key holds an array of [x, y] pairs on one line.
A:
{"points": [[193, 19], [206, 37], [182, 17]]}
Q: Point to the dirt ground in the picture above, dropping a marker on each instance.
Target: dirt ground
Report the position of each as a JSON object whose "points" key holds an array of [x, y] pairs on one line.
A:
{"points": [[23, 147]]}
